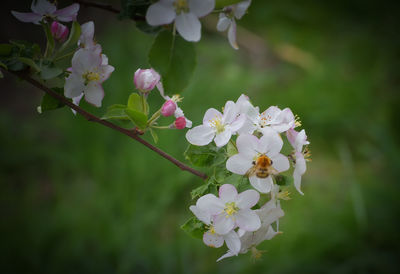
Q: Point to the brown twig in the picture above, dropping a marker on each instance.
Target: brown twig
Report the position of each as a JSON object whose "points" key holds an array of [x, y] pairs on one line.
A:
{"points": [[134, 134], [107, 7]]}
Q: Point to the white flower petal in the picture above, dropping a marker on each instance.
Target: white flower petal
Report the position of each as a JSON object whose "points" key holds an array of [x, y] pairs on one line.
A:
{"points": [[160, 13], [67, 14], [210, 204], [213, 239], [270, 143], [200, 135], [223, 138], [238, 123], [43, 7], [202, 215], [247, 146], [232, 35], [232, 241], [248, 220], [271, 233], [27, 17], [73, 86], [223, 22], [222, 224], [201, 7], [227, 193], [210, 115], [238, 164], [241, 7], [280, 162], [188, 26], [247, 199], [85, 60], [94, 94], [226, 255], [263, 185], [230, 112], [299, 170]]}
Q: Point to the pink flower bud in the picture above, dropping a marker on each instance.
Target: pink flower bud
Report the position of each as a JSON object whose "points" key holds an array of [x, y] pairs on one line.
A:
{"points": [[59, 31], [168, 108], [146, 79], [180, 122]]}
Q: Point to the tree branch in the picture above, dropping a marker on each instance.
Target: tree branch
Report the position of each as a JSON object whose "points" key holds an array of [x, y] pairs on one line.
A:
{"points": [[134, 134]]}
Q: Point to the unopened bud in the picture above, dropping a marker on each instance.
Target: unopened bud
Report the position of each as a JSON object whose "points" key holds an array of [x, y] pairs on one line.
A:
{"points": [[59, 31], [146, 79], [168, 108], [180, 122]]}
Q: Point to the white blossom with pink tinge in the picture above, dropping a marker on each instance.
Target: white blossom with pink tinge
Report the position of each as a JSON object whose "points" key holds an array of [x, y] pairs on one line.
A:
{"points": [[227, 20], [43, 8], [231, 209], [89, 70], [185, 13], [268, 214], [298, 140], [86, 40], [217, 126], [213, 239], [250, 148]]}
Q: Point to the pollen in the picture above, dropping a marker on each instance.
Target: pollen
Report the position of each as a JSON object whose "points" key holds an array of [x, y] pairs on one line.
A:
{"points": [[91, 76], [181, 6], [217, 124], [297, 121], [284, 195], [230, 208]]}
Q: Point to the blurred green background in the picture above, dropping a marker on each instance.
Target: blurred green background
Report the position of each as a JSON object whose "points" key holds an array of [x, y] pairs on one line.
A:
{"points": [[76, 197]]}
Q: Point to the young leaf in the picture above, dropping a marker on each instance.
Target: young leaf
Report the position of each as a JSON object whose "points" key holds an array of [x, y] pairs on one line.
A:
{"points": [[50, 103], [231, 149], [49, 71], [139, 118], [209, 155], [194, 228], [73, 37], [116, 112], [135, 101], [30, 63], [174, 59], [154, 135], [50, 40], [209, 187]]}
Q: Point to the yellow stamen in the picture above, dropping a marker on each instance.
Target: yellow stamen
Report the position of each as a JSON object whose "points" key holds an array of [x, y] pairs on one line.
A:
{"points": [[181, 6], [284, 195], [217, 124], [256, 254], [91, 76], [297, 121], [307, 154], [230, 209]]}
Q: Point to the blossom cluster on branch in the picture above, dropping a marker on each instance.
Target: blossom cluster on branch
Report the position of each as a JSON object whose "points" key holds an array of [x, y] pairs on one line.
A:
{"points": [[255, 153], [241, 148]]}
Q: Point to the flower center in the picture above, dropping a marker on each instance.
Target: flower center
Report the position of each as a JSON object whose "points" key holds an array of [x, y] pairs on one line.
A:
{"points": [[91, 76], [181, 6], [231, 208], [211, 229], [217, 124], [264, 120]]}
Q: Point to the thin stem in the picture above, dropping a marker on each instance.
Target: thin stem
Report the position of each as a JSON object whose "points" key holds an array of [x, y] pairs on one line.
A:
{"points": [[134, 134], [161, 127], [64, 56]]}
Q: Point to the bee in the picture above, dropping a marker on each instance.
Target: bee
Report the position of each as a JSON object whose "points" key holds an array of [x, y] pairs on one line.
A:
{"points": [[262, 168]]}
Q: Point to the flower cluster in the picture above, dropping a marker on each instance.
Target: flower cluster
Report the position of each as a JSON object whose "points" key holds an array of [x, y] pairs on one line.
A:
{"points": [[89, 70], [186, 13], [258, 157]]}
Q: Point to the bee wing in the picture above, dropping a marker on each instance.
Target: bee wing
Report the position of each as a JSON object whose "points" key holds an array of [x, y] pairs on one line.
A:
{"points": [[251, 171]]}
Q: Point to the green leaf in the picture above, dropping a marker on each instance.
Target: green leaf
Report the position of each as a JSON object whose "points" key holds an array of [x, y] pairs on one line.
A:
{"points": [[194, 228], [283, 180], [138, 118], [154, 135], [135, 102], [72, 38], [50, 103], [175, 59], [231, 149], [50, 40], [209, 187], [239, 181], [5, 49], [209, 155], [115, 112], [49, 71], [30, 63], [219, 4], [4, 66]]}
